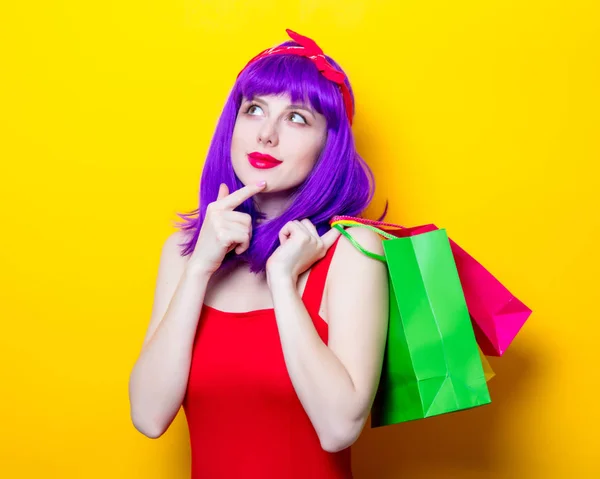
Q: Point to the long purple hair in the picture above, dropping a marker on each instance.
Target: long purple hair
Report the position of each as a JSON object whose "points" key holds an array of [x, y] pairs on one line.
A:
{"points": [[340, 183]]}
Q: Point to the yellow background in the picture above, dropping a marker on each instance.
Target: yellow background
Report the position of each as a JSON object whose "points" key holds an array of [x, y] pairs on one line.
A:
{"points": [[479, 116]]}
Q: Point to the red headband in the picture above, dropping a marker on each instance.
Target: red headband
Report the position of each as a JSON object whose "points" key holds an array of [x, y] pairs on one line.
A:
{"points": [[309, 49]]}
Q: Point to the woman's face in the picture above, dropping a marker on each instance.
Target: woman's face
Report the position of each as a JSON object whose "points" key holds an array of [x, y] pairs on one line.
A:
{"points": [[271, 125]]}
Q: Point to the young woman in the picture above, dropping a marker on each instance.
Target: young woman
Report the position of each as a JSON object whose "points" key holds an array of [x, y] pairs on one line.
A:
{"points": [[267, 326]]}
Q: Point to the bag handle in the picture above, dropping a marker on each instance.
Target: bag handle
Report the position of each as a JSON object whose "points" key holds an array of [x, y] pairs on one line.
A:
{"points": [[339, 225], [365, 221], [379, 231]]}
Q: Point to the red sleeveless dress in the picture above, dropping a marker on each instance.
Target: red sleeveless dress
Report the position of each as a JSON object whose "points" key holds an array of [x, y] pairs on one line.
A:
{"points": [[244, 417]]}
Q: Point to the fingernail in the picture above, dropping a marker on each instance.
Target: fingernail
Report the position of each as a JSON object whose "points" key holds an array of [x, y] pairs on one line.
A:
{"points": [[261, 183]]}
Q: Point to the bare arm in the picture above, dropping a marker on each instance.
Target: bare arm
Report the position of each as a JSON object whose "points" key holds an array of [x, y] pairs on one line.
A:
{"points": [[158, 381], [336, 383]]}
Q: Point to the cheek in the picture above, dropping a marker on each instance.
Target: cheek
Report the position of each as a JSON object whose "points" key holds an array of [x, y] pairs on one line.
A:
{"points": [[242, 132], [312, 148], [305, 158], [236, 137], [304, 145], [239, 144]]}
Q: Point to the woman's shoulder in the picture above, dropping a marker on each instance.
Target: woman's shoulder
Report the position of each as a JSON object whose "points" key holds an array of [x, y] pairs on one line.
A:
{"points": [[356, 278], [347, 259], [177, 238], [368, 239], [172, 248]]}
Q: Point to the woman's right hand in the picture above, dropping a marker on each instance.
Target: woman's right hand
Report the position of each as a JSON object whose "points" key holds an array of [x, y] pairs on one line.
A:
{"points": [[223, 229]]}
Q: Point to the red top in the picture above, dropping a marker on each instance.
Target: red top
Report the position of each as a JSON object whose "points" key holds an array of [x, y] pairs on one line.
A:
{"points": [[244, 417]]}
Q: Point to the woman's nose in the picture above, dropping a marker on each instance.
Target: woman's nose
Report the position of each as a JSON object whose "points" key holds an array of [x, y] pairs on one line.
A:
{"points": [[268, 134]]}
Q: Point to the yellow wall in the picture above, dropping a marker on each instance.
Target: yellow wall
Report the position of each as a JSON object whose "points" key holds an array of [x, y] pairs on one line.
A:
{"points": [[479, 116]]}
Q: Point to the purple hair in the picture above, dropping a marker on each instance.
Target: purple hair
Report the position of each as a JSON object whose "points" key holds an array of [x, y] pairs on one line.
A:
{"points": [[340, 183]]}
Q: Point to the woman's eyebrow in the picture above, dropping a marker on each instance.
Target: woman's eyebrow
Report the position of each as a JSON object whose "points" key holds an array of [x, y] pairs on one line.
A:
{"points": [[301, 107]]}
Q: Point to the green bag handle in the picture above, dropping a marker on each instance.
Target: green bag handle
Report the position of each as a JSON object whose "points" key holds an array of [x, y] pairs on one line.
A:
{"points": [[339, 225]]}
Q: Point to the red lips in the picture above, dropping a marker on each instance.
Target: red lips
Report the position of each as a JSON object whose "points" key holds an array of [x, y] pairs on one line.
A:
{"points": [[263, 158], [262, 162]]}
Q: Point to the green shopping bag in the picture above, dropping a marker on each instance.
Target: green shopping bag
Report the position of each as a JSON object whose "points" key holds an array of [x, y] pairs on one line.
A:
{"points": [[432, 364]]}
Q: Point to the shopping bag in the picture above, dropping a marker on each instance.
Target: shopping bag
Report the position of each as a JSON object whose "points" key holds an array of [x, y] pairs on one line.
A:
{"points": [[488, 372], [431, 363], [496, 313]]}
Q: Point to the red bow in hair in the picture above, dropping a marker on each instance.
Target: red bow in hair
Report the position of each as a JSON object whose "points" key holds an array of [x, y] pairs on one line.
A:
{"points": [[309, 49]]}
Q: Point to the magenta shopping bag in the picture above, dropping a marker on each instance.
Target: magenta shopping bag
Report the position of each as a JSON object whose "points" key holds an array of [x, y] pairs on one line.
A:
{"points": [[497, 315]]}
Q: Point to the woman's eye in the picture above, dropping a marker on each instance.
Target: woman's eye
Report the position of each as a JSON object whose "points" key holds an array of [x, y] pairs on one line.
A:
{"points": [[299, 116], [250, 108], [295, 117]]}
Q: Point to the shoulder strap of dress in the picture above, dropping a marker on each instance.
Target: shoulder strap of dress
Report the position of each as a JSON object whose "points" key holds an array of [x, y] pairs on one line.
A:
{"points": [[315, 284]]}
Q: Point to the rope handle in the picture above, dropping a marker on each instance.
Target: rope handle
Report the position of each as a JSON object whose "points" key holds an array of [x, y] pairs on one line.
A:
{"points": [[366, 221], [338, 226], [338, 222]]}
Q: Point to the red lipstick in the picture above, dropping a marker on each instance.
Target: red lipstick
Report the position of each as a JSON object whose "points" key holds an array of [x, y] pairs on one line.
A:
{"points": [[262, 161]]}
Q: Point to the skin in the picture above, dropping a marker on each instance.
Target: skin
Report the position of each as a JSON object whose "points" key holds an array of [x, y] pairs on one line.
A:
{"points": [[295, 136], [335, 382]]}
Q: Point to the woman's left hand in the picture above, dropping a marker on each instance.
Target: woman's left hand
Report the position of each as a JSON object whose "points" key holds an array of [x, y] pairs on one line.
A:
{"points": [[301, 246]]}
